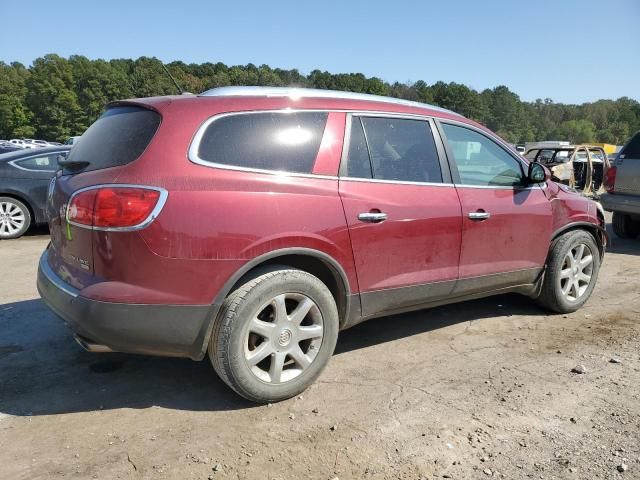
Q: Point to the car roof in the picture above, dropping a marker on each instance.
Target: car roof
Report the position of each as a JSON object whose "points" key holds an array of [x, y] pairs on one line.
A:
{"points": [[31, 152], [237, 99]]}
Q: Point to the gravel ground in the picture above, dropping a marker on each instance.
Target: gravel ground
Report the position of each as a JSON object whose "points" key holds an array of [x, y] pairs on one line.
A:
{"points": [[477, 390]]}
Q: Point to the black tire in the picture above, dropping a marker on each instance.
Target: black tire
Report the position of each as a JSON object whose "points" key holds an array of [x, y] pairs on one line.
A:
{"points": [[551, 295], [13, 203], [625, 226], [231, 333]]}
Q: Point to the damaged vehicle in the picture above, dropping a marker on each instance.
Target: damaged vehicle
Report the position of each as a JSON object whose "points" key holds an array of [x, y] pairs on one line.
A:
{"points": [[253, 224], [581, 167]]}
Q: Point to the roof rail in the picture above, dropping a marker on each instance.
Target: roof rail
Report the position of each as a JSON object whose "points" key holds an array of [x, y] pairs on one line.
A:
{"points": [[297, 92]]}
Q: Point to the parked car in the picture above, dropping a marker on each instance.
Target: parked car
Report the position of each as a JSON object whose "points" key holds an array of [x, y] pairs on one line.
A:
{"points": [[9, 147], [71, 140], [622, 183], [256, 223], [24, 178], [580, 166]]}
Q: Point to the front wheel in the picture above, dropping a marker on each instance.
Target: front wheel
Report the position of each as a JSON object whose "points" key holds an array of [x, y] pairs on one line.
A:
{"points": [[15, 218], [274, 334], [572, 270]]}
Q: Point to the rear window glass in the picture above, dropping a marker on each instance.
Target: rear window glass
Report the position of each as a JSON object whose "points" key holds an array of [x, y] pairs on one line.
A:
{"points": [[268, 140], [632, 149], [118, 137]]}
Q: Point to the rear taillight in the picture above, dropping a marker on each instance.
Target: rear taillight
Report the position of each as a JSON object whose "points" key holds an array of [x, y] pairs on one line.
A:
{"points": [[610, 179], [115, 207]]}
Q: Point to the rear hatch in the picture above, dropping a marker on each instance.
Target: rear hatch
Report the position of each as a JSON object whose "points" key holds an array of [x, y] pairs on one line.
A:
{"points": [[628, 168], [115, 140]]}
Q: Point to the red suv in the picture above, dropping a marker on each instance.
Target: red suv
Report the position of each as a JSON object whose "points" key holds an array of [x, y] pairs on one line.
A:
{"points": [[256, 223]]}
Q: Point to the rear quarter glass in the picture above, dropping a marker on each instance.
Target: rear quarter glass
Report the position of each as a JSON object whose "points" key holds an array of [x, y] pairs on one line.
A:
{"points": [[631, 149], [117, 138]]}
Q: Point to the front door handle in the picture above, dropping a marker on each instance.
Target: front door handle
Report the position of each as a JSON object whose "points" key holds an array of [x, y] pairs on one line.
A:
{"points": [[372, 217], [479, 215]]}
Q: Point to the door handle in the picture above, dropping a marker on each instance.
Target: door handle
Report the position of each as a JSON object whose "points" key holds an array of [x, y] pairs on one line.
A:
{"points": [[372, 217], [479, 215]]}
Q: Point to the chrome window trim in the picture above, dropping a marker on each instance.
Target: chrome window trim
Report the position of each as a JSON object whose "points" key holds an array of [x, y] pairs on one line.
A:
{"points": [[14, 163], [399, 182], [164, 194], [193, 157], [296, 93]]}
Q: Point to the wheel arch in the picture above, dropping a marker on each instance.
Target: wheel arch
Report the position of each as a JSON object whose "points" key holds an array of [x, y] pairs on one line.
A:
{"points": [[315, 262], [599, 234]]}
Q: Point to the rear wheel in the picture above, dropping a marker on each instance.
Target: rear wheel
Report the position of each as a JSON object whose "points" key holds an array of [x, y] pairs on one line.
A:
{"points": [[15, 218], [625, 226], [274, 334], [572, 271]]}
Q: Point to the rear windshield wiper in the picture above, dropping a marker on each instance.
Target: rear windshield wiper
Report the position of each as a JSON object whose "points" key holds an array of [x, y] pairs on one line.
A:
{"points": [[73, 165]]}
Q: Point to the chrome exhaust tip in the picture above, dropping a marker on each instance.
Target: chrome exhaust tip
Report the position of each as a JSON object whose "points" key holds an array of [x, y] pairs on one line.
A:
{"points": [[92, 347]]}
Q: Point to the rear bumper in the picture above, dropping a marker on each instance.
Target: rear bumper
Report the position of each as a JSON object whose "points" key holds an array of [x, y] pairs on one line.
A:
{"points": [[166, 330], [618, 202]]}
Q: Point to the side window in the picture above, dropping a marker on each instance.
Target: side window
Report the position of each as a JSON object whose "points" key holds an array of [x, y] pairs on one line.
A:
{"points": [[356, 163], [269, 140], [44, 163], [480, 160], [402, 149]]}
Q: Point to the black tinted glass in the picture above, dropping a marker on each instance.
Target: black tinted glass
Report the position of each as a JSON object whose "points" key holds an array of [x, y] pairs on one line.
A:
{"points": [[357, 161], [632, 149], [269, 140], [118, 137], [402, 150]]}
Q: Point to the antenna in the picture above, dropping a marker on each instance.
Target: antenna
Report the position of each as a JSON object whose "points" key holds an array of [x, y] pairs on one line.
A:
{"points": [[180, 91]]}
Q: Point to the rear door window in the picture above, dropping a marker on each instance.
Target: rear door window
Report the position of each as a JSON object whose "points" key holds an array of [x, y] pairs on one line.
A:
{"points": [[118, 137], [280, 141], [397, 149]]}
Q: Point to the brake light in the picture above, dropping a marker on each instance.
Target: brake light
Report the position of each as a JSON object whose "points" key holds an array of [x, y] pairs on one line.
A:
{"points": [[114, 207], [610, 179]]}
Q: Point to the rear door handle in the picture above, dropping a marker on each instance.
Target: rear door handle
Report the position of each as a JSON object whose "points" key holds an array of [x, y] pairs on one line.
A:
{"points": [[479, 215], [372, 217]]}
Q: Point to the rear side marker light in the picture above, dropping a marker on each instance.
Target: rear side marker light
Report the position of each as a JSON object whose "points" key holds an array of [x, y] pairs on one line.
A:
{"points": [[115, 207]]}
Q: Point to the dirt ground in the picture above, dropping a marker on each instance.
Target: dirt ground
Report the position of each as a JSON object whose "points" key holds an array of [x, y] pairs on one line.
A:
{"points": [[477, 390]]}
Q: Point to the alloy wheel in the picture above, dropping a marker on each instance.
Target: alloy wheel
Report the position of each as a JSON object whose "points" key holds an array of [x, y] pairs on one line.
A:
{"points": [[283, 338], [12, 219], [576, 272]]}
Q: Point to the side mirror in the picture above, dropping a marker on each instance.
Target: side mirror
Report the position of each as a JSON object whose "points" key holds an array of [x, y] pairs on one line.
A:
{"points": [[538, 173]]}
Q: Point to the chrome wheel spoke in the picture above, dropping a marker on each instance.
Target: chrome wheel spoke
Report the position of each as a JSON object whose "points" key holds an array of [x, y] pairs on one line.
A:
{"points": [[279, 310], [263, 351], [277, 364], [584, 277], [264, 329], [301, 311], [300, 357], [309, 332], [566, 273], [586, 261]]}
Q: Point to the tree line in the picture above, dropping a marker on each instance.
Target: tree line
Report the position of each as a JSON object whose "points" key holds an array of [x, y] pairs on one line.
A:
{"points": [[58, 97]]}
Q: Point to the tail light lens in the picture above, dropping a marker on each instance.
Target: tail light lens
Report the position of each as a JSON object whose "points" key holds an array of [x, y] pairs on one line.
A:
{"points": [[610, 179], [115, 207]]}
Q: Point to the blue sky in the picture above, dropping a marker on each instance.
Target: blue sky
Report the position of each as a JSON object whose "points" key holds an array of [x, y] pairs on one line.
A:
{"points": [[568, 50]]}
